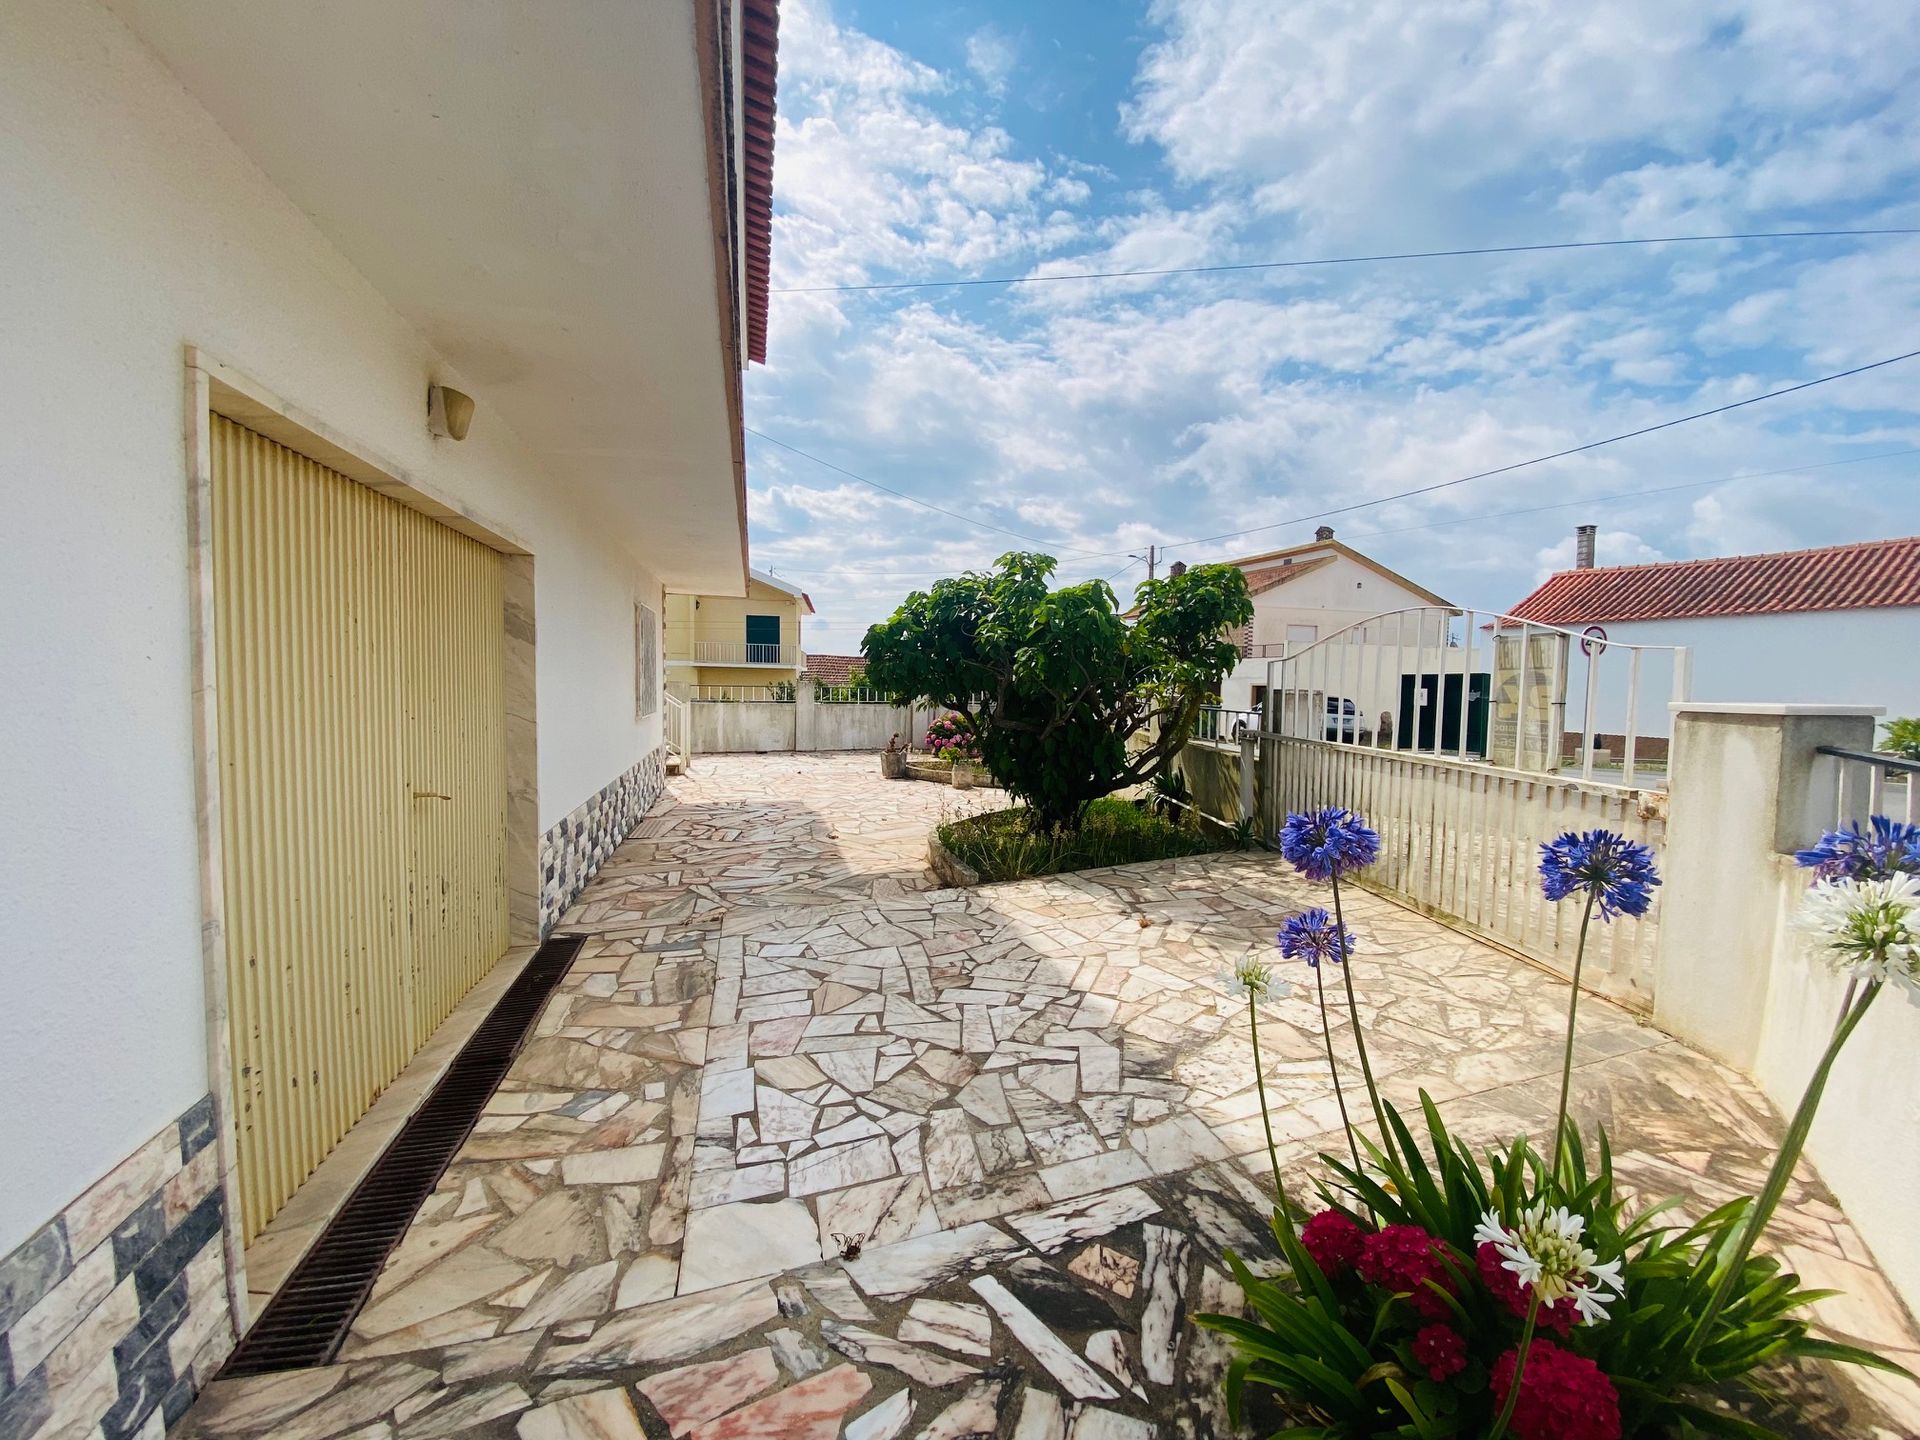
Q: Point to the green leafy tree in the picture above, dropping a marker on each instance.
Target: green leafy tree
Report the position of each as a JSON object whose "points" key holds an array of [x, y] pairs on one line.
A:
{"points": [[1069, 701], [1903, 738]]}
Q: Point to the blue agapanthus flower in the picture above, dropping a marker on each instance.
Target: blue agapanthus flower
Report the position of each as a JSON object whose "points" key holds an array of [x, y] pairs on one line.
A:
{"points": [[1321, 844], [1618, 871], [1312, 936], [1884, 849]]}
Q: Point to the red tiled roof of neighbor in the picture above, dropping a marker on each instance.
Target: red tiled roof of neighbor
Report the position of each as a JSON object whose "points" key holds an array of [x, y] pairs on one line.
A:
{"points": [[1274, 575], [760, 52], [833, 669], [1875, 574]]}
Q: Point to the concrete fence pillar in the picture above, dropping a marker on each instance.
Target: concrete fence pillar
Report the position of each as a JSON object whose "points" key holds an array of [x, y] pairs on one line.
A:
{"points": [[804, 735], [1249, 760], [1744, 787]]}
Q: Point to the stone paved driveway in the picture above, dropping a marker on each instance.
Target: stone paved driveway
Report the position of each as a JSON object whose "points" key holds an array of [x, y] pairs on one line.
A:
{"points": [[805, 1148]]}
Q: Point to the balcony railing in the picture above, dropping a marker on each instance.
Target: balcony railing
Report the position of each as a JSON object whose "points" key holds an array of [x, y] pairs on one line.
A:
{"points": [[739, 652]]}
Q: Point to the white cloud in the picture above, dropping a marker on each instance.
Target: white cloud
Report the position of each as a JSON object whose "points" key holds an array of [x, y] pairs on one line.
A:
{"points": [[992, 55], [1102, 416], [1393, 116], [871, 176], [1611, 547]]}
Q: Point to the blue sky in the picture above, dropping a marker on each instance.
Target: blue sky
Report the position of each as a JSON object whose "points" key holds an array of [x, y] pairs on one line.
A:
{"points": [[923, 142]]}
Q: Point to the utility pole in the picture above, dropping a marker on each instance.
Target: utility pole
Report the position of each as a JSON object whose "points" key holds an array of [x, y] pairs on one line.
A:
{"points": [[1152, 557]]}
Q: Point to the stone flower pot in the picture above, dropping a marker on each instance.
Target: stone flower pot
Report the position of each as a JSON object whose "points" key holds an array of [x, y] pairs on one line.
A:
{"points": [[893, 764], [963, 775]]}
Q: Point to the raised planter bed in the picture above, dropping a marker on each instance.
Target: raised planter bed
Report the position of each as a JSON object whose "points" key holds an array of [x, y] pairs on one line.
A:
{"points": [[951, 870], [918, 769]]}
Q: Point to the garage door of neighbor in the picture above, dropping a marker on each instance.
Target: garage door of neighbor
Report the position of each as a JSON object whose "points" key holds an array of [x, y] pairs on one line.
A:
{"points": [[362, 793]]}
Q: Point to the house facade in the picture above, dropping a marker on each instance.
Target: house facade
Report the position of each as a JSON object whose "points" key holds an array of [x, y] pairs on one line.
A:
{"points": [[1834, 625], [374, 374], [721, 644], [1306, 593]]}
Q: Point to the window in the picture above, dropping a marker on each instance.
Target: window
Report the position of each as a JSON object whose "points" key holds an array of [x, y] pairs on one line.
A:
{"points": [[1302, 634], [763, 639], [646, 662]]}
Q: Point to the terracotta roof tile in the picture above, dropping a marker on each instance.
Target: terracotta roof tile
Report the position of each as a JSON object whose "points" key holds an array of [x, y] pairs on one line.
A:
{"points": [[833, 669], [1877, 573], [760, 63], [1273, 576]]}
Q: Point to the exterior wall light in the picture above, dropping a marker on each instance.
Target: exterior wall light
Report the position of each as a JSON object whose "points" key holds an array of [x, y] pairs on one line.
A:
{"points": [[449, 412]]}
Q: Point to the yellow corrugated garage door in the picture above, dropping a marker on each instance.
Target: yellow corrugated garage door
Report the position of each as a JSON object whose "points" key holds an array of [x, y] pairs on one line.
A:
{"points": [[363, 793]]}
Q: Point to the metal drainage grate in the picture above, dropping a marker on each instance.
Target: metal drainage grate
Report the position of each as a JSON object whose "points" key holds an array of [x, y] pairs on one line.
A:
{"points": [[305, 1323]]}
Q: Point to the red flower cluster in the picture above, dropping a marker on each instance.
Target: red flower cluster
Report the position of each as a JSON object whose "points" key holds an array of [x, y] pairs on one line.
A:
{"points": [[1514, 1293], [1333, 1240], [1405, 1257], [1563, 1396], [1441, 1352]]}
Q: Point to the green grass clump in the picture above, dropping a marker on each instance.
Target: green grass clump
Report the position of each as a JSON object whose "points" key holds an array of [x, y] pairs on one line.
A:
{"points": [[1002, 845]]}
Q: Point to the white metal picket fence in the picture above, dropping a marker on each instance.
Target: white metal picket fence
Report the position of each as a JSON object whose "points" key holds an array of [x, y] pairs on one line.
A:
{"points": [[1461, 841]]}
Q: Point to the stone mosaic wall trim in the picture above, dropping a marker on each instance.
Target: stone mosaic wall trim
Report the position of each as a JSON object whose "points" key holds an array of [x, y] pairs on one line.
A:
{"points": [[573, 850], [115, 1313]]}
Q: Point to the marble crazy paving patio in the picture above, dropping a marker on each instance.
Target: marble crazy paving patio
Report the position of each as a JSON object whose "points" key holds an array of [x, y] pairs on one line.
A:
{"points": [[805, 1148]]}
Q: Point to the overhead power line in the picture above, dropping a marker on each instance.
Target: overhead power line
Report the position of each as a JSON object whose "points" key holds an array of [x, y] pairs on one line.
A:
{"points": [[916, 500], [1543, 459], [1254, 265], [1382, 499], [1632, 494], [924, 574]]}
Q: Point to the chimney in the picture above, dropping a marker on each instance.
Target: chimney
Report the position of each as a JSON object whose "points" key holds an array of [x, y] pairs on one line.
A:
{"points": [[1179, 568], [1325, 532], [1583, 547]]}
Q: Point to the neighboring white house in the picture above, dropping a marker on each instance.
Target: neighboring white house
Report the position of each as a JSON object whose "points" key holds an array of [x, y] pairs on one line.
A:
{"points": [[288, 661], [1836, 625], [1306, 593]]}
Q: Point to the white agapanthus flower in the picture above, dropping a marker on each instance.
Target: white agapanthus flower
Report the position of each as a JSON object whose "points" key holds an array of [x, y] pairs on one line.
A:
{"points": [[1869, 929], [1250, 975], [1545, 1250]]}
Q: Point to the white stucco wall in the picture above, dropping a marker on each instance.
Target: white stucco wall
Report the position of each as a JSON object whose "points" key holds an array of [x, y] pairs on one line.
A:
{"points": [[1735, 979], [133, 227], [1839, 657], [1863, 1140], [856, 727], [742, 727], [760, 727], [1329, 597]]}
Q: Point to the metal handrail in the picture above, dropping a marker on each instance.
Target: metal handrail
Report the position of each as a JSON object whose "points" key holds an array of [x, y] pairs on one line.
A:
{"points": [[780, 694], [1878, 766], [679, 732], [1871, 757], [741, 652]]}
